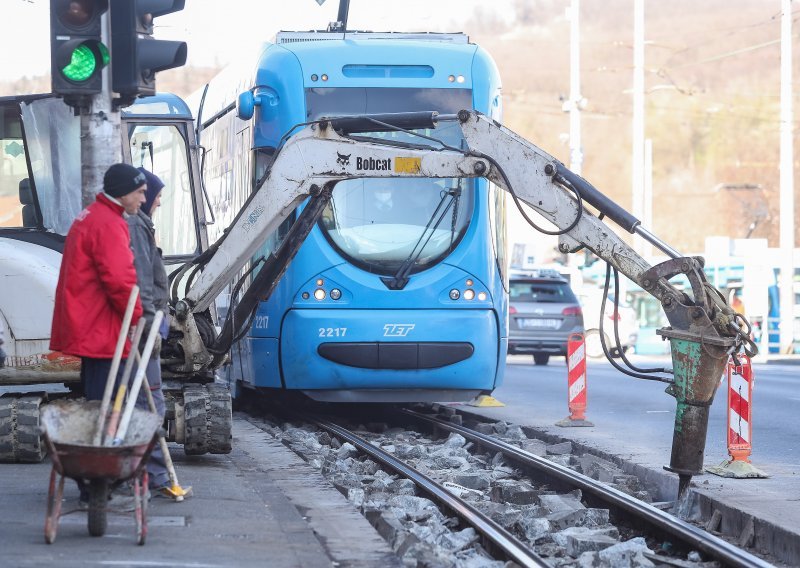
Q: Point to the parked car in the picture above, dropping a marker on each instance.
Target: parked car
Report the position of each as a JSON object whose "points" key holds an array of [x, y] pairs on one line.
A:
{"points": [[543, 312], [624, 315]]}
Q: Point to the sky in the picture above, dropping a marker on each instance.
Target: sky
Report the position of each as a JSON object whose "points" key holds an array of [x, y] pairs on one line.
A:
{"points": [[215, 29]]}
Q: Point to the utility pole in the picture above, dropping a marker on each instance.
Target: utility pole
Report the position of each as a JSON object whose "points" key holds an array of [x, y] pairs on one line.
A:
{"points": [[100, 133], [786, 184], [647, 194], [575, 97], [637, 166]]}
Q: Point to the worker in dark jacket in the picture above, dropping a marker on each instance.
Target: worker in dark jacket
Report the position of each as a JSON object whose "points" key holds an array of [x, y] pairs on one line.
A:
{"points": [[154, 292], [96, 278]]}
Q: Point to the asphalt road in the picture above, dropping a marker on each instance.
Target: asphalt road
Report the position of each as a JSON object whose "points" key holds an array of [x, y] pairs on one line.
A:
{"points": [[638, 414]]}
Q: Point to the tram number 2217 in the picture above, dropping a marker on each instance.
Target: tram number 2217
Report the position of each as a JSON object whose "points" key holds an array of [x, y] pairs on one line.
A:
{"points": [[332, 331]]}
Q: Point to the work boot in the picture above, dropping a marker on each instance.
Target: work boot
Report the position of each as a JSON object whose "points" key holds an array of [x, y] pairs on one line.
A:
{"points": [[160, 486]]}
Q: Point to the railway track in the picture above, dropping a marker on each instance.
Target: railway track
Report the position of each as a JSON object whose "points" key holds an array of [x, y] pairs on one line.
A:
{"points": [[495, 538], [657, 523], [603, 516]]}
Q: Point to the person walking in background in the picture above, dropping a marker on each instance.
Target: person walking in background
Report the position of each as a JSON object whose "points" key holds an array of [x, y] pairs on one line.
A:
{"points": [[151, 275], [95, 282], [736, 302]]}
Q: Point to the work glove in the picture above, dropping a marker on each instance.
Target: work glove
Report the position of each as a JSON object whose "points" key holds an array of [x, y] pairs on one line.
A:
{"points": [[164, 328]]}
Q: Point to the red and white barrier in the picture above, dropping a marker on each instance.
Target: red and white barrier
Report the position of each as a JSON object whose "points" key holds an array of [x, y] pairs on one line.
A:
{"points": [[740, 421], [576, 382], [740, 393]]}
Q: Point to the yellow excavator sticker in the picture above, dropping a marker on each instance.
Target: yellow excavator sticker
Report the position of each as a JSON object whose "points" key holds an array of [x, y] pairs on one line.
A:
{"points": [[407, 165]]}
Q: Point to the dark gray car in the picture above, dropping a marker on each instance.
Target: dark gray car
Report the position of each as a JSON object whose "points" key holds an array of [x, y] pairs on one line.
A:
{"points": [[543, 312]]}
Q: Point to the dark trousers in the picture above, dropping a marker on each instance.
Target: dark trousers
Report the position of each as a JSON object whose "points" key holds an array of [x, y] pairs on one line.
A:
{"points": [[94, 374]]}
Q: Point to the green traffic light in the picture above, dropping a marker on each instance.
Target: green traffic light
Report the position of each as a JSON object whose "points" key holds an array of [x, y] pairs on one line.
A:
{"points": [[84, 62], [82, 65]]}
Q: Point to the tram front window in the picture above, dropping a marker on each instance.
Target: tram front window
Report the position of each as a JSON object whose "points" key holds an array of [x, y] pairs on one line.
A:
{"points": [[379, 224]]}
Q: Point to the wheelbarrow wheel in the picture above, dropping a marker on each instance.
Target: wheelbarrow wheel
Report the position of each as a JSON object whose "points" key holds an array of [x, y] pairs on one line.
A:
{"points": [[98, 501]]}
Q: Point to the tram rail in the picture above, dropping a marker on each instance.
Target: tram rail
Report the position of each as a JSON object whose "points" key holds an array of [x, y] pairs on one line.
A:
{"points": [[659, 523], [500, 539], [633, 516]]}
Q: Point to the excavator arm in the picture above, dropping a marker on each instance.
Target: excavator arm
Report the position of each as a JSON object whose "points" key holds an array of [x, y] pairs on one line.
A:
{"points": [[703, 329]]}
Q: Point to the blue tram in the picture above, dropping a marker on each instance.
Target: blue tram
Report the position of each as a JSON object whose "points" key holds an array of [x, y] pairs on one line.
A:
{"points": [[398, 293]]}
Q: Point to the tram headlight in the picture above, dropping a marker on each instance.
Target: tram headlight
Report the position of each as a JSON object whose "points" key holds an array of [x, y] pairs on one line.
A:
{"points": [[305, 295], [482, 296], [455, 294], [314, 77], [336, 294], [319, 294], [469, 294]]}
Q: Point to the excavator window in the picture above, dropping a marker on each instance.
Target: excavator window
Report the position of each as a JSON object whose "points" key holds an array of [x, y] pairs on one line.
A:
{"points": [[16, 198]]}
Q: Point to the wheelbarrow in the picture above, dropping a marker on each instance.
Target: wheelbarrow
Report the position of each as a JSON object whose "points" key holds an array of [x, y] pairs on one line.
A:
{"points": [[69, 428]]}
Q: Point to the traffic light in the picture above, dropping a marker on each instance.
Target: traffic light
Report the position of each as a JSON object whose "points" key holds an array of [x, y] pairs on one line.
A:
{"points": [[77, 54], [137, 56]]}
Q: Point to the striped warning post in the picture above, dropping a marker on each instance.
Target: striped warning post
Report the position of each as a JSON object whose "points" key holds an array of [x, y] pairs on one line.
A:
{"points": [[740, 393], [576, 382], [740, 423]]}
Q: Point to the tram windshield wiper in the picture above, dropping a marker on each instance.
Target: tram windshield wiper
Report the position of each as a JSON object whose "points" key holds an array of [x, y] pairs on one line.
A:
{"points": [[400, 279]]}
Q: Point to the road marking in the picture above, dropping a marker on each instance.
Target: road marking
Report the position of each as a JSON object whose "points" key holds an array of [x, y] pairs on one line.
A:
{"points": [[127, 520]]}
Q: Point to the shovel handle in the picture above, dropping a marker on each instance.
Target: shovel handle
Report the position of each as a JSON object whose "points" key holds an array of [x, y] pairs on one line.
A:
{"points": [[173, 477], [137, 380], [113, 420], [112, 373]]}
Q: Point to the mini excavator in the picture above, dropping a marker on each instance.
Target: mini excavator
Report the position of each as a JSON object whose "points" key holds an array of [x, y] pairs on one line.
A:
{"points": [[704, 331]]}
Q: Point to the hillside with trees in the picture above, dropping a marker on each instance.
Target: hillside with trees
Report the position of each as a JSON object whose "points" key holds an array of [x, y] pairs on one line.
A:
{"points": [[712, 83], [712, 103]]}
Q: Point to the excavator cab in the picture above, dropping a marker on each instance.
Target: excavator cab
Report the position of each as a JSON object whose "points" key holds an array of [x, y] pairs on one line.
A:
{"points": [[40, 195]]}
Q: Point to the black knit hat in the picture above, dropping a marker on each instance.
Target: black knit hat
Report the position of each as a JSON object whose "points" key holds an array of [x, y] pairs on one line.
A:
{"points": [[121, 179]]}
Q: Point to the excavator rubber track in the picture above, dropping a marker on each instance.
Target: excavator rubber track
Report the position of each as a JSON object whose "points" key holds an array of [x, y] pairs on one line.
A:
{"points": [[20, 428], [208, 418]]}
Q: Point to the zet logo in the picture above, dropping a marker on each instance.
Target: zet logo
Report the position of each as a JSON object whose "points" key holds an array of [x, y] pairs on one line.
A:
{"points": [[397, 329]]}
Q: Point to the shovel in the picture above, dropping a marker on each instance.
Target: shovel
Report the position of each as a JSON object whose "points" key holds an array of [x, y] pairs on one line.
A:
{"points": [[174, 490]]}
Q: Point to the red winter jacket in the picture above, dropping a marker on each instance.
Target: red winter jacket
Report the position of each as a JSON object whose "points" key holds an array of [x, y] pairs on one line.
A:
{"points": [[94, 284]]}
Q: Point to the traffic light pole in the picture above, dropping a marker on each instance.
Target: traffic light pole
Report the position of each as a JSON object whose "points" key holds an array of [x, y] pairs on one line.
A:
{"points": [[100, 133]]}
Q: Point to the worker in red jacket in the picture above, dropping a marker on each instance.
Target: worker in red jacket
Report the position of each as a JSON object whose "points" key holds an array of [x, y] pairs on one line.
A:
{"points": [[96, 278]]}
